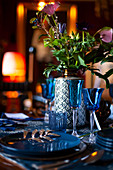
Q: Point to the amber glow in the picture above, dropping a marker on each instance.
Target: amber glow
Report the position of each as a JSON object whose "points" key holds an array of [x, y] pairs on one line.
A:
{"points": [[41, 5], [94, 153], [20, 10], [73, 19], [12, 94], [13, 67], [38, 88], [21, 29], [11, 143]]}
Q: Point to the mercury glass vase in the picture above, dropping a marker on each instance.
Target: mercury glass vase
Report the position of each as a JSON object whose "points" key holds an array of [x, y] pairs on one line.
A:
{"points": [[61, 103]]}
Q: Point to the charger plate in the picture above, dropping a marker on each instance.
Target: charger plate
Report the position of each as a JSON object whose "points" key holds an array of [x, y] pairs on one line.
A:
{"points": [[33, 148], [104, 147], [106, 134], [105, 144], [63, 155]]}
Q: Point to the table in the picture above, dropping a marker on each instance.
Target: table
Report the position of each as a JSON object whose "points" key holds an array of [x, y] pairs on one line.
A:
{"points": [[106, 161]]}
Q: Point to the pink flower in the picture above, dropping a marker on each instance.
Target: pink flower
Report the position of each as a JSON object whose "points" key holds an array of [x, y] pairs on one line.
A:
{"points": [[106, 35], [51, 8]]}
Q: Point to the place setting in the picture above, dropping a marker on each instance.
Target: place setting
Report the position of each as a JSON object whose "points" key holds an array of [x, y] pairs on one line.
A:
{"points": [[41, 145], [104, 139]]}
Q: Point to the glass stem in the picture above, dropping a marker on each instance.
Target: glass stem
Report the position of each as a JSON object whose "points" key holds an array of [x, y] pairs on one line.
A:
{"points": [[49, 105], [112, 101], [75, 122], [92, 137]]}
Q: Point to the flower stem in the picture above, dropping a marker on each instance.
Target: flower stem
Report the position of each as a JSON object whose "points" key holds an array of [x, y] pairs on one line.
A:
{"points": [[54, 21], [83, 36]]}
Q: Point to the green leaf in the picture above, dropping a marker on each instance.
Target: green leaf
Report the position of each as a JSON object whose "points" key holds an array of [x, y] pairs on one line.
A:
{"points": [[108, 73], [108, 59], [104, 28], [34, 27], [51, 32], [32, 20], [51, 67], [111, 51], [102, 76], [42, 35], [81, 61], [55, 42]]}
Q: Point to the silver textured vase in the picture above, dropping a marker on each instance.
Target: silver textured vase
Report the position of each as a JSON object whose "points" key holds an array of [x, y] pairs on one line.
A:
{"points": [[61, 103]]}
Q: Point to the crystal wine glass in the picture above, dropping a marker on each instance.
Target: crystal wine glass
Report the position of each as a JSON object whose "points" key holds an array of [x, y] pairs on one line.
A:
{"points": [[75, 92], [92, 97], [48, 91]]}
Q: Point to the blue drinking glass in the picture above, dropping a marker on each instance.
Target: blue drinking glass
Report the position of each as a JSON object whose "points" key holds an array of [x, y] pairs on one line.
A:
{"points": [[111, 91], [75, 95], [111, 94], [48, 91], [92, 98]]}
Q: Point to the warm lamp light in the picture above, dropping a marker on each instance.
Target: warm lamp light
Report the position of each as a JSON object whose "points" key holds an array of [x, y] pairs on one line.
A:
{"points": [[73, 19], [13, 67], [20, 10], [41, 5]]}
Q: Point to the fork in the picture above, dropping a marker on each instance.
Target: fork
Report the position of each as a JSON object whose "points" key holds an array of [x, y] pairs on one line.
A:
{"points": [[25, 133], [33, 137], [41, 132]]}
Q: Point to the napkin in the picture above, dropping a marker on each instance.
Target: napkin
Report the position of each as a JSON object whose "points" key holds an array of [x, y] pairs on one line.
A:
{"points": [[20, 116], [16, 115], [9, 125]]}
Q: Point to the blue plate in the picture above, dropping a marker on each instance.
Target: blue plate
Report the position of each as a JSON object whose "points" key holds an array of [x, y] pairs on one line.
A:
{"points": [[106, 134], [104, 147], [105, 144], [64, 143]]}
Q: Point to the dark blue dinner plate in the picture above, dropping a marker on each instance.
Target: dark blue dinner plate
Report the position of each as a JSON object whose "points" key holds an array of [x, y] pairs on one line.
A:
{"points": [[63, 143], [106, 134], [106, 144], [104, 141], [104, 147]]}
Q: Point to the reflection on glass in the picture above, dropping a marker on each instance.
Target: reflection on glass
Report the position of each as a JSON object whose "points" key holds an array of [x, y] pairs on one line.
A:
{"points": [[92, 97], [75, 90], [48, 91]]}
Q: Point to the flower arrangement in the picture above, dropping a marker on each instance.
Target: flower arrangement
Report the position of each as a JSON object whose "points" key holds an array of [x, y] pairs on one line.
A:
{"points": [[77, 51]]}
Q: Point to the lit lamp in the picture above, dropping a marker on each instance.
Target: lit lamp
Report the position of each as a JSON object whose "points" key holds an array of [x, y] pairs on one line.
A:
{"points": [[13, 67]]}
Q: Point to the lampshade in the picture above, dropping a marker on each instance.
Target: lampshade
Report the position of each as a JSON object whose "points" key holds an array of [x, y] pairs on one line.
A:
{"points": [[13, 67]]}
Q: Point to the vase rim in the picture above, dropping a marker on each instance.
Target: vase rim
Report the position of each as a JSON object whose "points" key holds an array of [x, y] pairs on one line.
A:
{"points": [[69, 78]]}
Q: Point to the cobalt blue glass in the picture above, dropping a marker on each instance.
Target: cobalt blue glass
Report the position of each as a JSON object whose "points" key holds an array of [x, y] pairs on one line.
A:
{"points": [[92, 98], [75, 93], [111, 94], [48, 90], [111, 91]]}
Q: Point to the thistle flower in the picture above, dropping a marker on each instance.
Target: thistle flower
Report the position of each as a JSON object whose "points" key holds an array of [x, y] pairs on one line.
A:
{"points": [[62, 27], [106, 35], [50, 8]]}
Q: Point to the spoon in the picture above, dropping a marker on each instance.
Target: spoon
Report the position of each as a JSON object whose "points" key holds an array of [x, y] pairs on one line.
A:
{"points": [[88, 159]]}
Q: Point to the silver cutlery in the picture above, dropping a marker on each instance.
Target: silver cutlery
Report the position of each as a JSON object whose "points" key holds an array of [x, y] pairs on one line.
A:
{"points": [[53, 134], [42, 135], [25, 133], [34, 133], [47, 131], [37, 139], [87, 159], [41, 132]]}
